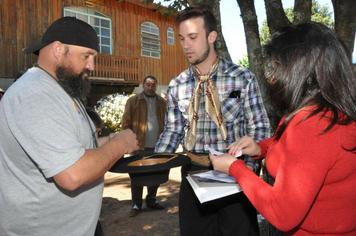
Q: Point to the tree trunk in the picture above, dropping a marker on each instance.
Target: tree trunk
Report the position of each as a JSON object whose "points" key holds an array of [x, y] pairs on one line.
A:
{"points": [[302, 11], [345, 22], [220, 41], [192, 2], [254, 50], [276, 17]]}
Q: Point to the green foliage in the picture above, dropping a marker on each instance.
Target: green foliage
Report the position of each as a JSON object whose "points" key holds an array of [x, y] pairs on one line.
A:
{"points": [[244, 62], [319, 14], [265, 35], [168, 10], [111, 110]]}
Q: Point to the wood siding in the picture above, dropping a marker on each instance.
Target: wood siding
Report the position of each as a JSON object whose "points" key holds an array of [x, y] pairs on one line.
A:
{"points": [[24, 22]]}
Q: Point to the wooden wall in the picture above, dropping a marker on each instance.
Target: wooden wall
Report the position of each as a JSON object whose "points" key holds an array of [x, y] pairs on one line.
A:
{"points": [[23, 23]]}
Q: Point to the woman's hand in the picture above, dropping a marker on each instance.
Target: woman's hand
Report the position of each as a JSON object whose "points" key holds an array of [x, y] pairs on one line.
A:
{"points": [[222, 163], [247, 145]]}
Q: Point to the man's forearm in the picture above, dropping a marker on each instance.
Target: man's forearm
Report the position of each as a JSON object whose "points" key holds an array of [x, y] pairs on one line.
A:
{"points": [[95, 162]]}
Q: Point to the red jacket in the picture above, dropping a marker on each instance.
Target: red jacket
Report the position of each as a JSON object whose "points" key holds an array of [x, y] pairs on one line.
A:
{"points": [[315, 179]]}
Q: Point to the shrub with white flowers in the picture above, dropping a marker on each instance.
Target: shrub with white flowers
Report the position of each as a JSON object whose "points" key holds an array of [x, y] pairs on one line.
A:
{"points": [[111, 108]]}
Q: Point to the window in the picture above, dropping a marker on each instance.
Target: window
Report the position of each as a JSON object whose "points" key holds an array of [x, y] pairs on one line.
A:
{"points": [[150, 41], [170, 35], [100, 23]]}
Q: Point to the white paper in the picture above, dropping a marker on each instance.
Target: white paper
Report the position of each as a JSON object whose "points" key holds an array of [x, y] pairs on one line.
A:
{"points": [[214, 152], [210, 191], [213, 174]]}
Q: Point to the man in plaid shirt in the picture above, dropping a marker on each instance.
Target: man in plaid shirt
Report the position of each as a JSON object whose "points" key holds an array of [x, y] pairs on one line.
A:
{"points": [[243, 114]]}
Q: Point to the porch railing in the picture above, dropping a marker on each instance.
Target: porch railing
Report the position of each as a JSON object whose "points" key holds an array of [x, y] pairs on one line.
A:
{"points": [[113, 67]]}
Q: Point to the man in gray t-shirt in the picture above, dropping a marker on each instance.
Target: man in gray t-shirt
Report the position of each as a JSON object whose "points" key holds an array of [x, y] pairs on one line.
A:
{"points": [[51, 169]]}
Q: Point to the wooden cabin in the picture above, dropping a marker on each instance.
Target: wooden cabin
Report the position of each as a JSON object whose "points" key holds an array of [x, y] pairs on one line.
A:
{"points": [[134, 40]]}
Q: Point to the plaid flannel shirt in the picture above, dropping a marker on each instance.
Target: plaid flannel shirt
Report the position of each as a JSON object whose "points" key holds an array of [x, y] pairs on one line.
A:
{"points": [[241, 104]]}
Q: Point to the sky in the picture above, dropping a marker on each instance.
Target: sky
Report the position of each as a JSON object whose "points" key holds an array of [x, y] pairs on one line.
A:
{"points": [[232, 26]]}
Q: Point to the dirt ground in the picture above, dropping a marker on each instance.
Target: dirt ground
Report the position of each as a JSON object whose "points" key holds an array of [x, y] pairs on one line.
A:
{"points": [[117, 205]]}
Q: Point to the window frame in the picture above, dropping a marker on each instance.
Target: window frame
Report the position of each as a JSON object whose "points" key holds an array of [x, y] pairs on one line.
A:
{"points": [[170, 30], [89, 15], [150, 40]]}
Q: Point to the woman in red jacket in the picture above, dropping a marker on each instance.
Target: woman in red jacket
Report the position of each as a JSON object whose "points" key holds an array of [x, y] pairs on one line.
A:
{"points": [[312, 154]]}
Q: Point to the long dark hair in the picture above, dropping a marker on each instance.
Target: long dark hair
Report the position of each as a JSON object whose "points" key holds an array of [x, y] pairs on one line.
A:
{"points": [[307, 65]]}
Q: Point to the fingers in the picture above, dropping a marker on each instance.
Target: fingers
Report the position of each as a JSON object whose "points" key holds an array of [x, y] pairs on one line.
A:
{"points": [[247, 145], [111, 136], [234, 149], [132, 141], [237, 146], [222, 163], [129, 138]]}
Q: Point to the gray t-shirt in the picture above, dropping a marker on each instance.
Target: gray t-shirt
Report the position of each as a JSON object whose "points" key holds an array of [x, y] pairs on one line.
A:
{"points": [[42, 133]]}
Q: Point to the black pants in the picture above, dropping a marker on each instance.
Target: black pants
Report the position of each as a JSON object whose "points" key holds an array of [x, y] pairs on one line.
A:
{"points": [[99, 230], [136, 191], [136, 194], [231, 215]]}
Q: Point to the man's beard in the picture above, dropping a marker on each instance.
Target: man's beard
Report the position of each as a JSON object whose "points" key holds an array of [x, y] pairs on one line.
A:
{"points": [[74, 84], [203, 57]]}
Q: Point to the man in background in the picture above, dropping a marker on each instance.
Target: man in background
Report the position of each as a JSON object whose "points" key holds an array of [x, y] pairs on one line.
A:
{"points": [[144, 114]]}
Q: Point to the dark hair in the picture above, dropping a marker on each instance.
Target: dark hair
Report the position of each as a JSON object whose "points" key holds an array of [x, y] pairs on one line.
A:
{"points": [[149, 77], [95, 117], [195, 11], [309, 66]]}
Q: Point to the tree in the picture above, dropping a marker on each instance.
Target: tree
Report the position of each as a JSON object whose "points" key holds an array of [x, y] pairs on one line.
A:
{"points": [[318, 13], [344, 12], [345, 21], [254, 51]]}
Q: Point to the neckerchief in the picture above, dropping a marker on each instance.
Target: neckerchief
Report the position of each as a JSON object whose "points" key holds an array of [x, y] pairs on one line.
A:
{"points": [[212, 105]]}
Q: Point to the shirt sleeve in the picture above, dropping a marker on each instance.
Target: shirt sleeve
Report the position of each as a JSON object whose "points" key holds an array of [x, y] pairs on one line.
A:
{"points": [[264, 147], [174, 127], [257, 124]]}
